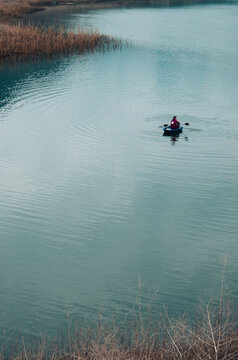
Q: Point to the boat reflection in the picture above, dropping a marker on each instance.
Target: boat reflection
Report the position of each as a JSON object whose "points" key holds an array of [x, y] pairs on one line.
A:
{"points": [[177, 137]]}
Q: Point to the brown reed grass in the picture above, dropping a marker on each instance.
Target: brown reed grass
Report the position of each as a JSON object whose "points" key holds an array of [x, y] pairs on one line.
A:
{"points": [[30, 41]]}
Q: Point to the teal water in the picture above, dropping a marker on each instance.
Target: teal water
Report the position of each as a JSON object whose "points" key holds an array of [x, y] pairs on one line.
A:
{"points": [[93, 197]]}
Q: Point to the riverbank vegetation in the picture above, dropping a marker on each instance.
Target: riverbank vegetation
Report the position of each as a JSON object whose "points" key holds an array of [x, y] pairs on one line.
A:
{"points": [[213, 335]]}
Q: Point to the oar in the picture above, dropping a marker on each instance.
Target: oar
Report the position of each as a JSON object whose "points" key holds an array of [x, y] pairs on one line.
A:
{"points": [[187, 124]]}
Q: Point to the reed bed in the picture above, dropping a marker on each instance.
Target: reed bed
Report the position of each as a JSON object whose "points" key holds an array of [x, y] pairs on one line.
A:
{"points": [[30, 41], [214, 336]]}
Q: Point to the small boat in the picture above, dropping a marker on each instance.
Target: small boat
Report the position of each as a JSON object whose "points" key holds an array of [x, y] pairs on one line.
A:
{"points": [[169, 131]]}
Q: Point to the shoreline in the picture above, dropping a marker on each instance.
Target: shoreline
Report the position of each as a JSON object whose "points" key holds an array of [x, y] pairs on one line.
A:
{"points": [[81, 5], [39, 6], [17, 43]]}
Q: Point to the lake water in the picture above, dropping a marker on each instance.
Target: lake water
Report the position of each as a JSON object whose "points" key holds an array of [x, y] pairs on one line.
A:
{"points": [[93, 198]]}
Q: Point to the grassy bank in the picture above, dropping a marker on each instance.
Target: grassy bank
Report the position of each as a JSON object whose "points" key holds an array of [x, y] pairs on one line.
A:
{"points": [[213, 336]]}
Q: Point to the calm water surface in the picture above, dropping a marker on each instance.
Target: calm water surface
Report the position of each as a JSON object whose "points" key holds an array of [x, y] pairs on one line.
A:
{"points": [[93, 197]]}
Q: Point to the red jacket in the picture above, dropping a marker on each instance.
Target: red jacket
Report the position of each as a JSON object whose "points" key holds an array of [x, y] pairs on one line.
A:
{"points": [[174, 124]]}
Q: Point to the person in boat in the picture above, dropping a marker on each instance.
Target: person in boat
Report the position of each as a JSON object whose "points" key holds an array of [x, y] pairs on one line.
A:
{"points": [[174, 123]]}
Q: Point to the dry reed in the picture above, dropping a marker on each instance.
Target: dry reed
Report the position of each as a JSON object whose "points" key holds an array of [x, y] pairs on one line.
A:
{"points": [[19, 41]]}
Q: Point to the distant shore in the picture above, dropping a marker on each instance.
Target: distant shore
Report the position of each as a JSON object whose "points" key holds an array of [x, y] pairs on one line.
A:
{"points": [[18, 8]]}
